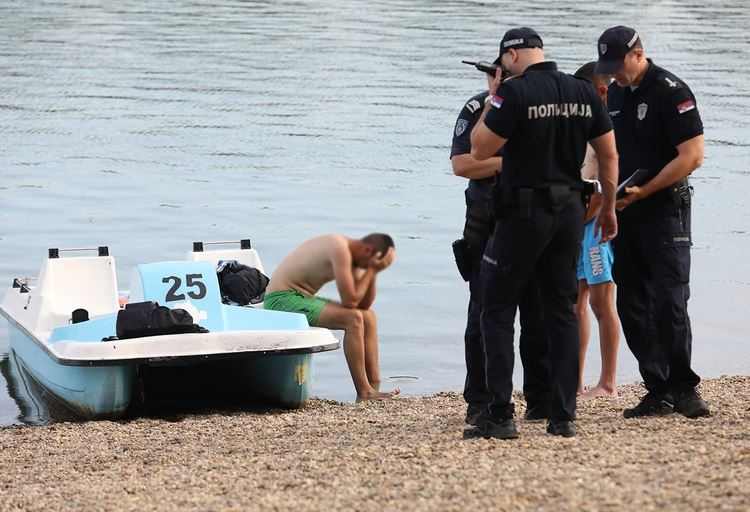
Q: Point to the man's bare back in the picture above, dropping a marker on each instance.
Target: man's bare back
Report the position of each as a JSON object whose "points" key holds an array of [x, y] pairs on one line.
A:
{"points": [[308, 267]]}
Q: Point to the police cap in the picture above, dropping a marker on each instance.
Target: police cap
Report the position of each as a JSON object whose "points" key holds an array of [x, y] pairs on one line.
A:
{"points": [[614, 44], [522, 37]]}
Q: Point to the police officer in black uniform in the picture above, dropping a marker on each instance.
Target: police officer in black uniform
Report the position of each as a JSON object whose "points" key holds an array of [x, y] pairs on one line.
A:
{"points": [[659, 133], [546, 117], [468, 251]]}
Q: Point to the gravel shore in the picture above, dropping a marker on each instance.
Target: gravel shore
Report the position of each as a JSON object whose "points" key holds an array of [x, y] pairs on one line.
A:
{"points": [[405, 454]]}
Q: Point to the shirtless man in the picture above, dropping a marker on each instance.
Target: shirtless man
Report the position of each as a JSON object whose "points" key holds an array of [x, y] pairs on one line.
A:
{"points": [[595, 284], [354, 265]]}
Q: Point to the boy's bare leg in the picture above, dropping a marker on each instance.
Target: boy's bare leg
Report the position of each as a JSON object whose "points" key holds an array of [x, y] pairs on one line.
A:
{"points": [[603, 305], [584, 328], [372, 364], [335, 316]]}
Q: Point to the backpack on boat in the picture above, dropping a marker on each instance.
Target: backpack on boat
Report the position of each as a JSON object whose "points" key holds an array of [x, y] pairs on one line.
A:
{"points": [[141, 319], [241, 284]]}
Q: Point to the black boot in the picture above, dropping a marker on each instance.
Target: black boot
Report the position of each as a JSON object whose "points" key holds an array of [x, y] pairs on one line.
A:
{"points": [[690, 404], [653, 404], [562, 428]]}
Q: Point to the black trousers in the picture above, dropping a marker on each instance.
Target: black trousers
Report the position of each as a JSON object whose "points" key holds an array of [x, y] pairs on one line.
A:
{"points": [[652, 273], [544, 244], [533, 346]]}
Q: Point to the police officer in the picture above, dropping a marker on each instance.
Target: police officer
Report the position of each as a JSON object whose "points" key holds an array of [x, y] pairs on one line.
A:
{"points": [[659, 131], [477, 229], [545, 117]]}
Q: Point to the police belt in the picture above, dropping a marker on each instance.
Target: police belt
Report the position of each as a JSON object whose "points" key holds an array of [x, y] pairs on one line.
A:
{"points": [[525, 199]]}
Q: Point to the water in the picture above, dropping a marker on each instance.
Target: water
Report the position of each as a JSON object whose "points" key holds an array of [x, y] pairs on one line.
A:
{"points": [[147, 125]]}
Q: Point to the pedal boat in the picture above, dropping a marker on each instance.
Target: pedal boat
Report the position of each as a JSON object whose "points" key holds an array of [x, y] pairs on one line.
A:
{"points": [[250, 354]]}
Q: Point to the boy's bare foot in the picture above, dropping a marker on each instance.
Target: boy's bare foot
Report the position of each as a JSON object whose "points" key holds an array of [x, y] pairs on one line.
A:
{"points": [[599, 391], [378, 395]]}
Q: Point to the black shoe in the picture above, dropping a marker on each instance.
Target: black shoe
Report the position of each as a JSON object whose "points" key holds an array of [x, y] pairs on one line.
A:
{"points": [[690, 404], [536, 412], [653, 404], [499, 429], [561, 428], [473, 413]]}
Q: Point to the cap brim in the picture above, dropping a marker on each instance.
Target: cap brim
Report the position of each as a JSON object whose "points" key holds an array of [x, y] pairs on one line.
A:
{"points": [[497, 61], [608, 67]]}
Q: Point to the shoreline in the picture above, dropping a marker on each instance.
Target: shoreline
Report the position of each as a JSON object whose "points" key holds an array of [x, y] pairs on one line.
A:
{"points": [[402, 454]]}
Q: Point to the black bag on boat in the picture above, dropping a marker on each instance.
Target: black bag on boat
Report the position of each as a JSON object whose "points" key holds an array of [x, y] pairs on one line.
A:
{"points": [[240, 283], [141, 319]]}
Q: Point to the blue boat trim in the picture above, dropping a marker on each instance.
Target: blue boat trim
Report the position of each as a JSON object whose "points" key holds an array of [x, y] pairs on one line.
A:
{"points": [[115, 362]]}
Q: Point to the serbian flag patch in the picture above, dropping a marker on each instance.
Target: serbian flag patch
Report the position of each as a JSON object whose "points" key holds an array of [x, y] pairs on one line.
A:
{"points": [[686, 106], [496, 101]]}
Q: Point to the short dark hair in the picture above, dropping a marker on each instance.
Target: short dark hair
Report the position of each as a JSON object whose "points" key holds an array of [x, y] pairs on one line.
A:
{"points": [[586, 71], [380, 241]]}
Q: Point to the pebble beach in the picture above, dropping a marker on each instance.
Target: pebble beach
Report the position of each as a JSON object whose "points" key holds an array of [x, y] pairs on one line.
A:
{"points": [[403, 454]]}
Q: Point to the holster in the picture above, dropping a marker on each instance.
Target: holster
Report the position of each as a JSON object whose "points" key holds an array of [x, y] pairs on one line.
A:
{"points": [[682, 198], [464, 258]]}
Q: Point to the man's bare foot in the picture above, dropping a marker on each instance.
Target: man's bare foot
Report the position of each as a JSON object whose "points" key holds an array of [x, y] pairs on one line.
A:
{"points": [[599, 391], [378, 395]]}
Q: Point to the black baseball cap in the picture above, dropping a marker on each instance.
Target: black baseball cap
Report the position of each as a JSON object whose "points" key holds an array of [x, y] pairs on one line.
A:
{"points": [[522, 37], [614, 44]]}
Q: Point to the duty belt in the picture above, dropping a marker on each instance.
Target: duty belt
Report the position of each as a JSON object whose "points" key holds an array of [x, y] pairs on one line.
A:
{"points": [[524, 199]]}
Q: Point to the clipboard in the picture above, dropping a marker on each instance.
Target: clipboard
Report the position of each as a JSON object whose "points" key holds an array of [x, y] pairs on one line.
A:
{"points": [[638, 178]]}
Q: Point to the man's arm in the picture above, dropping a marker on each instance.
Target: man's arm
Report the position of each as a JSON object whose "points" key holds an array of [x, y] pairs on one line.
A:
{"points": [[466, 166], [378, 264], [369, 297], [689, 158], [351, 289], [484, 142], [606, 156]]}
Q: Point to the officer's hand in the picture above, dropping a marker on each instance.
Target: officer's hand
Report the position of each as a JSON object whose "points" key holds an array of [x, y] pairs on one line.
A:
{"points": [[496, 81], [632, 194], [606, 225]]}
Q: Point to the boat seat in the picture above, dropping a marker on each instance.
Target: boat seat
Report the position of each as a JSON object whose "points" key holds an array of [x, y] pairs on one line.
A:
{"points": [[189, 285], [68, 284]]}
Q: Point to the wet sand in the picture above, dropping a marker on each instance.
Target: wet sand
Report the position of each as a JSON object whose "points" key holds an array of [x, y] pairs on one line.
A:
{"points": [[405, 454]]}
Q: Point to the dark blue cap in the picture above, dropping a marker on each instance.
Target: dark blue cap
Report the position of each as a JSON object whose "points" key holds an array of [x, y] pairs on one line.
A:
{"points": [[614, 44], [522, 37]]}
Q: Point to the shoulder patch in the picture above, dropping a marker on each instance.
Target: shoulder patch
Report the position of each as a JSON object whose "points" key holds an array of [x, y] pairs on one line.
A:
{"points": [[473, 106], [685, 106], [497, 101], [461, 126]]}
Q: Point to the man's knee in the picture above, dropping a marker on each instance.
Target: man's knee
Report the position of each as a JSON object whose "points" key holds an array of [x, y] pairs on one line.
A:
{"points": [[369, 318], [355, 320]]}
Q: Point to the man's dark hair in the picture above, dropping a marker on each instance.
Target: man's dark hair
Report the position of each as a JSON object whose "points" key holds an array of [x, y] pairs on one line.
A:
{"points": [[380, 241], [586, 71]]}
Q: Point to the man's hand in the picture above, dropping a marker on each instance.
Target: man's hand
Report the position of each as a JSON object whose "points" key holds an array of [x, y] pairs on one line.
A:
{"points": [[606, 225], [495, 85], [384, 261], [632, 194]]}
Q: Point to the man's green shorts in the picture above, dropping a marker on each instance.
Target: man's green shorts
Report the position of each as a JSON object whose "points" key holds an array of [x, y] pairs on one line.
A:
{"points": [[296, 302]]}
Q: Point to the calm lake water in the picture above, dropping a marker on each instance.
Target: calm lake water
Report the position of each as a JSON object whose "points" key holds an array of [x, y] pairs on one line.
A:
{"points": [[145, 125]]}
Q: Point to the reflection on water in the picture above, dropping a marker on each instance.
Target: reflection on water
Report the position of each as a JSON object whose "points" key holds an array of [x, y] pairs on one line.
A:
{"points": [[147, 125], [35, 404]]}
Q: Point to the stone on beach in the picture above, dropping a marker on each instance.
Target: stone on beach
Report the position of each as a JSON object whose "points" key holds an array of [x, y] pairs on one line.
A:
{"points": [[403, 454]]}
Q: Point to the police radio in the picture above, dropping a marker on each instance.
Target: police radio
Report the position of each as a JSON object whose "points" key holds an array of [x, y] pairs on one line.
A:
{"points": [[486, 67]]}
